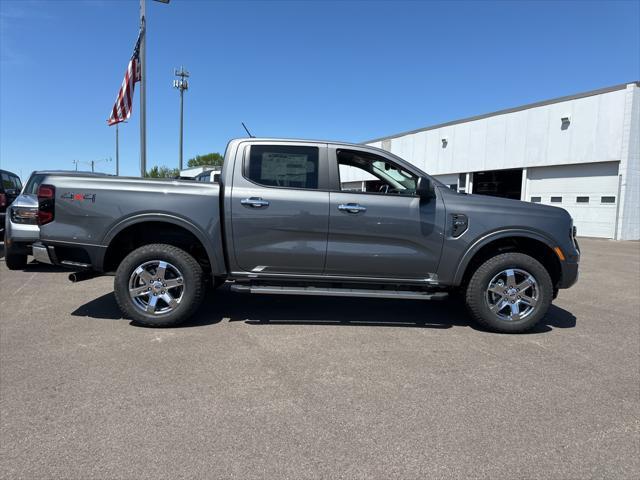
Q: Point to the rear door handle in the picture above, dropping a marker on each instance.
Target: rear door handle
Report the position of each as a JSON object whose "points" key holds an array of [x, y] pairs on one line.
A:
{"points": [[351, 208], [254, 202]]}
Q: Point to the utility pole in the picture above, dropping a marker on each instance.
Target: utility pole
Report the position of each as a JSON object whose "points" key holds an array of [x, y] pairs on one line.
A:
{"points": [[92, 163], [182, 85]]}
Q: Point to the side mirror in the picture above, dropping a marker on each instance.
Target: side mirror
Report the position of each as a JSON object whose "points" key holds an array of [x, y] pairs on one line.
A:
{"points": [[424, 188]]}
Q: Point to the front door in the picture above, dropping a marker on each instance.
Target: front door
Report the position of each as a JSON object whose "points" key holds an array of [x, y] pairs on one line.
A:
{"points": [[280, 208], [378, 227]]}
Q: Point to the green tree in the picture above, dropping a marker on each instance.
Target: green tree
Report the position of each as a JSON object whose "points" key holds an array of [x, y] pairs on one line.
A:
{"points": [[212, 159], [162, 172]]}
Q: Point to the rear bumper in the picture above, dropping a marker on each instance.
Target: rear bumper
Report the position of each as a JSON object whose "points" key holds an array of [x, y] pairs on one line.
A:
{"points": [[64, 255], [41, 253]]}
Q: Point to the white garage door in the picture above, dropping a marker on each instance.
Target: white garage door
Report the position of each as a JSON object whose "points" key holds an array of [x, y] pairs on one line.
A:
{"points": [[587, 191]]}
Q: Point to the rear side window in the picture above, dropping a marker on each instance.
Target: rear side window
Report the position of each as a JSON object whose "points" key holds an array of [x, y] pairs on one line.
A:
{"points": [[10, 182], [32, 184], [283, 166]]}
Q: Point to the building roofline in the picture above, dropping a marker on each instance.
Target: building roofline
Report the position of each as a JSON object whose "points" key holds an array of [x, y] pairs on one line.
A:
{"points": [[590, 93]]}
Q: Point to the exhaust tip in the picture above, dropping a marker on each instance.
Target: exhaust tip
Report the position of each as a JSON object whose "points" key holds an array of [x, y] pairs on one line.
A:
{"points": [[81, 275]]}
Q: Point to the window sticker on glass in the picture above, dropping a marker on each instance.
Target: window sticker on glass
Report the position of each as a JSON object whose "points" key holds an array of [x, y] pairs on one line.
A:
{"points": [[285, 168]]}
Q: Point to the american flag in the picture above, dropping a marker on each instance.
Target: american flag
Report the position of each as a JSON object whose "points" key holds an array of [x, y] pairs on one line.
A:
{"points": [[122, 108]]}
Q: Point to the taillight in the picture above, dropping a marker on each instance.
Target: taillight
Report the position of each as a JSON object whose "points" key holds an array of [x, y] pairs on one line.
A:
{"points": [[46, 203], [3, 200]]}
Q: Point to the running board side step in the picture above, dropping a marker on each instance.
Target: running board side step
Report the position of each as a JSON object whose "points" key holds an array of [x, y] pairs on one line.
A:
{"points": [[338, 292]]}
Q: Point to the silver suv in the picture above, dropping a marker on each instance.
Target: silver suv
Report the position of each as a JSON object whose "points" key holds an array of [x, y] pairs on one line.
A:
{"points": [[21, 224]]}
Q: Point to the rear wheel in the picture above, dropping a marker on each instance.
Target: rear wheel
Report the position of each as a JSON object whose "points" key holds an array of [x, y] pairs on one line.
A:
{"points": [[509, 293], [159, 285]]}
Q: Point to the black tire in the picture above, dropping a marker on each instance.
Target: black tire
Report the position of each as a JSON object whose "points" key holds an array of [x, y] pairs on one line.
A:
{"points": [[15, 261], [192, 285], [477, 294]]}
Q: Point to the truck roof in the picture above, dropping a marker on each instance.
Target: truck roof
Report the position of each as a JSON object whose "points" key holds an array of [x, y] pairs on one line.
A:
{"points": [[298, 140]]}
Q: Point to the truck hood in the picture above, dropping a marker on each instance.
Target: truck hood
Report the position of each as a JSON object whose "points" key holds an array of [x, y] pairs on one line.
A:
{"points": [[507, 206]]}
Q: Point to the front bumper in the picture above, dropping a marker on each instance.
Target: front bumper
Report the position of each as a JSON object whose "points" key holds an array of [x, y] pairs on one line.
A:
{"points": [[570, 274]]}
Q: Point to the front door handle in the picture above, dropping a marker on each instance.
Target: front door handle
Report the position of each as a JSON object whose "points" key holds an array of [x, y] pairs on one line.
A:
{"points": [[351, 208], [254, 202]]}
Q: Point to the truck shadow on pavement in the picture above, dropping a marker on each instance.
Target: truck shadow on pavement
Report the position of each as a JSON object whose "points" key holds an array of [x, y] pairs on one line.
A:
{"points": [[223, 305]]}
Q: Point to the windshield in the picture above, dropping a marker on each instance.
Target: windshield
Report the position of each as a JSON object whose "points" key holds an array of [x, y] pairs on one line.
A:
{"points": [[397, 177]]}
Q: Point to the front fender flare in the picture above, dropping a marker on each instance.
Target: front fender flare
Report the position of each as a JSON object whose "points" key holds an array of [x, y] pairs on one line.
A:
{"points": [[497, 235]]}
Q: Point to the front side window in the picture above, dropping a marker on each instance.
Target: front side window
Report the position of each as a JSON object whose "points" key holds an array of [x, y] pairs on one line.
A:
{"points": [[283, 166], [375, 174]]}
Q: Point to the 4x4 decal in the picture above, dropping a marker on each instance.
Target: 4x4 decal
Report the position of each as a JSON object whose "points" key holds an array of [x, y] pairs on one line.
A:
{"points": [[80, 197]]}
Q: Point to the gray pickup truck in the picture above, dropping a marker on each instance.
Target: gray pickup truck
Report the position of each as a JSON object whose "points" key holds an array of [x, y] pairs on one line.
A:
{"points": [[281, 221]]}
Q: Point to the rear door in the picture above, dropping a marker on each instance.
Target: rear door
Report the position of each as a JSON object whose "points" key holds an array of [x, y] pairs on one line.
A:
{"points": [[378, 227], [280, 207]]}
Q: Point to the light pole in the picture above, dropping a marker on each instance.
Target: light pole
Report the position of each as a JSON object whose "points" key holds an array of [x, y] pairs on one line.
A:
{"points": [[182, 84], [143, 83]]}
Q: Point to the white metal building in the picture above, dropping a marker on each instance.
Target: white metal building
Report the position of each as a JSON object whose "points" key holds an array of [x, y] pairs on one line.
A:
{"points": [[581, 153]]}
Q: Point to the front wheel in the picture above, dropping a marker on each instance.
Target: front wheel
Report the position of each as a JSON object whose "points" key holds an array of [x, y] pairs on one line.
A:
{"points": [[509, 293], [159, 285]]}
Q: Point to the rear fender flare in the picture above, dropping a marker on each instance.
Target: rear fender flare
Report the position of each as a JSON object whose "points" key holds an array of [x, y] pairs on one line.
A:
{"points": [[215, 259]]}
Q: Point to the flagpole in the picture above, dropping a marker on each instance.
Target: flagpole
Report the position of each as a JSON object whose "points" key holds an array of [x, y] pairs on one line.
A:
{"points": [[143, 99], [117, 152]]}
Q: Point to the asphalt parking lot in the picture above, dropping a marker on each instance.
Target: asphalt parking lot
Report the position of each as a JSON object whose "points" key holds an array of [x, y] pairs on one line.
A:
{"points": [[294, 387]]}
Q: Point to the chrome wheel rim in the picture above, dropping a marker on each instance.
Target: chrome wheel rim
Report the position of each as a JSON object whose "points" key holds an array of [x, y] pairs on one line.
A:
{"points": [[156, 287], [512, 294]]}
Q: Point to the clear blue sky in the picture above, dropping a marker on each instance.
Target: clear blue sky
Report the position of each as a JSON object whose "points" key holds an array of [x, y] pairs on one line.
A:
{"points": [[336, 70]]}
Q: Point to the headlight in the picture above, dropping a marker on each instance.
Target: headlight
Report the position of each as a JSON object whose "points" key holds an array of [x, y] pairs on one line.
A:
{"points": [[27, 215]]}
